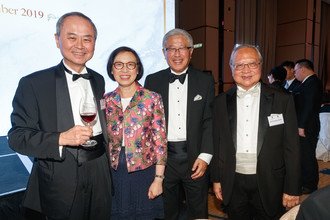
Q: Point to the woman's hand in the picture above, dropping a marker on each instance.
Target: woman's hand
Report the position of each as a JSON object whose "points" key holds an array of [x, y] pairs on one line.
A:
{"points": [[156, 188]]}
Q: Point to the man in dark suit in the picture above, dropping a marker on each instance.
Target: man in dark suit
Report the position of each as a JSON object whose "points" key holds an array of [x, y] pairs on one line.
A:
{"points": [[315, 206], [187, 94], [67, 181], [291, 82], [255, 169], [308, 98]]}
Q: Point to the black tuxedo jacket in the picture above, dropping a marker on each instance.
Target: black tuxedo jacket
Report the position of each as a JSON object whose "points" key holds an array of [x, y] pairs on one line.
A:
{"points": [[278, 160], [199, 113], [307, 98], [41, 110]]}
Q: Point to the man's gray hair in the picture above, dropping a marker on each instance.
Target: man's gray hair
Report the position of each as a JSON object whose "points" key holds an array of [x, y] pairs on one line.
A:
{"points": [[241, 46], [178, 31]]}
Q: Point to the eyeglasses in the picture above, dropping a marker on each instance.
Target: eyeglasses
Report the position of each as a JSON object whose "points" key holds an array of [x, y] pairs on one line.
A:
{"points": [[295, 70], [120, 65], [241, 66], [174, 50]]}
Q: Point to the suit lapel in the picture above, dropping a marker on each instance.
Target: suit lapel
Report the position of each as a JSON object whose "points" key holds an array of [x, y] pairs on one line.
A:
{"points": [[163, 87], [192, 89], [232, 114], [266, 102], [64, 110]]}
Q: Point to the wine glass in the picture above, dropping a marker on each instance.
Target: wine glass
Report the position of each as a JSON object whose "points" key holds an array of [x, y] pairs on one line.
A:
{"points": [[88, 111]]}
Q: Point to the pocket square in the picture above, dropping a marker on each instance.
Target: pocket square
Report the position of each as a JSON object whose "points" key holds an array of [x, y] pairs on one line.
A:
{"points": [[197, 98]]}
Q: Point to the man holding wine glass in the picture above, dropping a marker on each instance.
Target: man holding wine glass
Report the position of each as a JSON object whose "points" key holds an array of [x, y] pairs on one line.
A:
{"points": [[70, 178]]}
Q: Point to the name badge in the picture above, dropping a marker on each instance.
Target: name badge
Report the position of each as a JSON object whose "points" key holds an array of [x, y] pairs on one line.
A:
{"points": [[102, 104], [275, 119]]}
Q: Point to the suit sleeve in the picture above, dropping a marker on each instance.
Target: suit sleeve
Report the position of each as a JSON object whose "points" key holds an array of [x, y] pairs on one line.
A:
{"points": [[307, 103], [207, 141], [215, 166], [291, 151], [26, 137]]}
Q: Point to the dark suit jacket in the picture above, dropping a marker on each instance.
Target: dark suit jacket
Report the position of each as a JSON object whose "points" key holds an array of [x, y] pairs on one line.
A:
{"points": [[308, 98], [41, 110], [199, 114], [295, 83], [315, 206], [278, 161]]}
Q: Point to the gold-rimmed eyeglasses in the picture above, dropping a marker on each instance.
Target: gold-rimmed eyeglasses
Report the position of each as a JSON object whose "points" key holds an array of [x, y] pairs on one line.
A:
{"points": [[174, 50], [241, 66], [120, 65]]}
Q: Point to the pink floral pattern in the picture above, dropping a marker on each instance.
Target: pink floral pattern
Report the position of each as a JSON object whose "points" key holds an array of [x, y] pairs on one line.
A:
{"points": [[143, 124]]}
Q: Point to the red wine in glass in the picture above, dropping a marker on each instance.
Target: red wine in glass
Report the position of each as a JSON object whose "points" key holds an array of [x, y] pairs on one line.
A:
{"points": [[88, 111], [88, 117]]}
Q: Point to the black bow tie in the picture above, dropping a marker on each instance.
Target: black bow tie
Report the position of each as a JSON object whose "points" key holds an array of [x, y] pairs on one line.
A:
{"points": [[180, 77], [87, 76]]}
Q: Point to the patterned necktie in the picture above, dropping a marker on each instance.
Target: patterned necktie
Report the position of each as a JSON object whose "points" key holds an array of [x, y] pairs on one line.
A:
{"points": [[180, 77]]}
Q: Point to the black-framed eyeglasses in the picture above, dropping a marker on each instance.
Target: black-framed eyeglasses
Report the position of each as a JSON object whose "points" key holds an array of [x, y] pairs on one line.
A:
{"points": [[241, 66], [120, 65], [174, 50]]}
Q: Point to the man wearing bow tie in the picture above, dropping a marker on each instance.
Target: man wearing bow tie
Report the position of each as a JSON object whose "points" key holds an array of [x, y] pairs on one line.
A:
{"points": [[67, 181], [255, 168], [187, 94]]}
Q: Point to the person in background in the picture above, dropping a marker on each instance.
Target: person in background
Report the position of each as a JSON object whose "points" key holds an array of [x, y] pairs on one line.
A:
{"points": [[138, 144], [67, 181], [308, 98], [276, 77], [316, 205], [255, 169], [187, 94], [291, 82]]}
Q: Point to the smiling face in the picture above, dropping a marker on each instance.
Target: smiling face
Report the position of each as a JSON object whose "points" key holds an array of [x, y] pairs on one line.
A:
{"points": [[76, 42], [126, 73], [177, 53], [250, 74]]}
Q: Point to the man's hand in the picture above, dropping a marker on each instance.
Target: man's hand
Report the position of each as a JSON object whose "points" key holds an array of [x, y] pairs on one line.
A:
{"points": [[75, 136], [290, 201], [301, 132], [198, 168], [217, 191]]}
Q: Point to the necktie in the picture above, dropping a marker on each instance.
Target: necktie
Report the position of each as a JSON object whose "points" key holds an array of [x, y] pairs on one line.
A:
{"points": [[180, 77], [242, 94], [77, 76], [85, 76]]}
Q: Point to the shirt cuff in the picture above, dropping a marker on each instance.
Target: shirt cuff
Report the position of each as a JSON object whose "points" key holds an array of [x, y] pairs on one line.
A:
{"points": [[206, 157], [60, 149]]}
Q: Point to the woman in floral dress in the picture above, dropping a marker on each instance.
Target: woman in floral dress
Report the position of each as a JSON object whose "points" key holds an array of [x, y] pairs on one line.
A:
{"points": [[137, 140]]}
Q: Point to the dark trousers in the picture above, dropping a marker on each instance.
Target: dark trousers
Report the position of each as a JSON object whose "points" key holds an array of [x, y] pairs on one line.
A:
{"points": [[177, 172], [93, 194], [245, 202], [309, 165]]}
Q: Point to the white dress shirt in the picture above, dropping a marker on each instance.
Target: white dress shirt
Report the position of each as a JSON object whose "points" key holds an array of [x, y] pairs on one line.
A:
{"points": [[78, 89], [247, 130], [177, 113]]}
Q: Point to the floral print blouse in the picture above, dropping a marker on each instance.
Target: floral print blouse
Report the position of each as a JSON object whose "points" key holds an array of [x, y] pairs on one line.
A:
{"points": [[143, 124]]}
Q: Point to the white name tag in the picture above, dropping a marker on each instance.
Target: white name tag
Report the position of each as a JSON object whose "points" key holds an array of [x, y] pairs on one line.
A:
{"points": [[102, 104], [275, 119]]}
